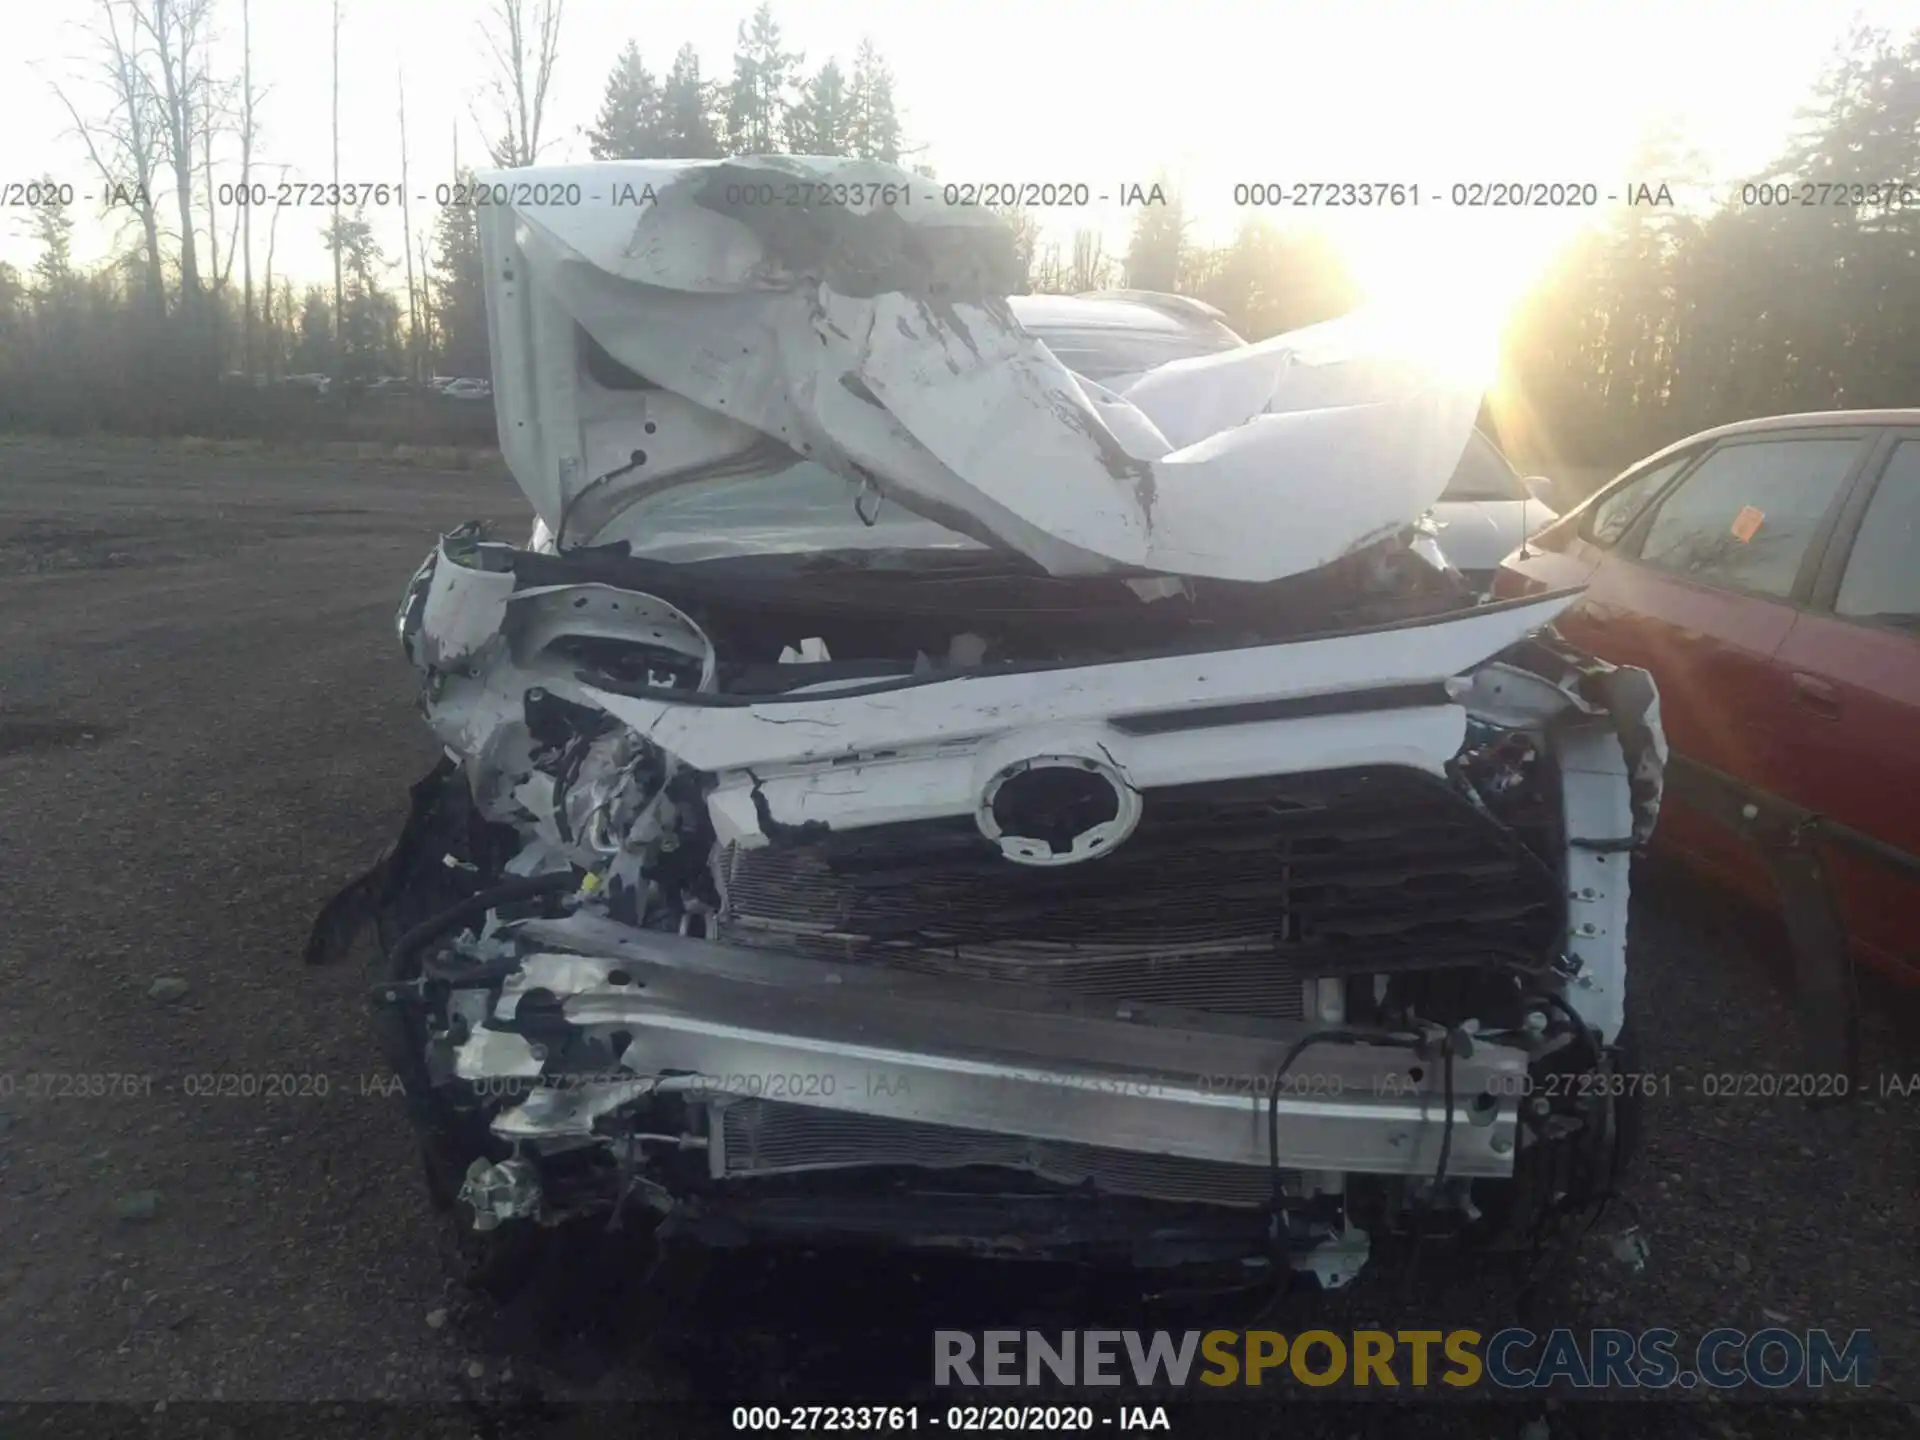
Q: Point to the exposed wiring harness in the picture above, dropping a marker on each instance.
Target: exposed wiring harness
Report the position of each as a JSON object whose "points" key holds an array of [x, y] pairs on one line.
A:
{"points": [[1330, 1034], [635, 460], [1447, 1043], [1599, 1199], [1440, 1169], [507, 892], [1294, 1052]]}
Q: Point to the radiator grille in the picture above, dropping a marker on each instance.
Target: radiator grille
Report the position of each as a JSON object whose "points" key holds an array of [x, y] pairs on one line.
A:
{"points": [[1226, 899], [766, 1137]]}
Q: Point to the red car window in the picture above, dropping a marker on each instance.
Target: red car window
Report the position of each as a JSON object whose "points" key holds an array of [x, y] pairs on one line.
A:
{"points": [[1746, 516], [1882, 580], [1620, 507]]}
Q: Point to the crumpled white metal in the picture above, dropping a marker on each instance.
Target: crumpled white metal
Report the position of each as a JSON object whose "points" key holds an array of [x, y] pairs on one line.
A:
{"points": [[872, 336]]}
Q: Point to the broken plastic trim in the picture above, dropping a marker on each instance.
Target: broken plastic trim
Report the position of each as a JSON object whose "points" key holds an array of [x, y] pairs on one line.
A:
{"points": [[1550, 602]]}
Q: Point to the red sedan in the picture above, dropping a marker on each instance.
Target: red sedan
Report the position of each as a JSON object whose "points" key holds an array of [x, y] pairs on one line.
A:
{"points": [[1768, 574]]}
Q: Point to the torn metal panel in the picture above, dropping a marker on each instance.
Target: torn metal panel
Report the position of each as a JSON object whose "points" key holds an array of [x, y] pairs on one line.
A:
{"points": [[465, 601], [932, 749], [497, 1054], [1612, 752], [906, 371], [1633, 702], [723, 737], [1600, 837], [545, 617], [1346, 361]]}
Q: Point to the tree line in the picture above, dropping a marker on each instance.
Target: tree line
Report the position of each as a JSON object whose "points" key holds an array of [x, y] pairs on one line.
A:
{"points": [[1799, 290], [1654, 322], [768, 105], [188, 326]]}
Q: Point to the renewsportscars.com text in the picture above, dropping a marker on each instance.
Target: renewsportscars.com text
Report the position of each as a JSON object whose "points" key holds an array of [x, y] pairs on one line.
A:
{"points": [[1511, 1359]]}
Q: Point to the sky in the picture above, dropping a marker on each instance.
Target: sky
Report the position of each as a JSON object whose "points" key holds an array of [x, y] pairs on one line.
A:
{"points": [[1209, 93]]}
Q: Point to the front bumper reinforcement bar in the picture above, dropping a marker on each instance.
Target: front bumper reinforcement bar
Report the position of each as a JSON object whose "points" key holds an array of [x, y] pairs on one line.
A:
{"points": [[731, 1022]]}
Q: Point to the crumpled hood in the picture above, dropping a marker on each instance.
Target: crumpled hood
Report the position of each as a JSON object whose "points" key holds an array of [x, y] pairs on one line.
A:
{"points": [[836, 310]]}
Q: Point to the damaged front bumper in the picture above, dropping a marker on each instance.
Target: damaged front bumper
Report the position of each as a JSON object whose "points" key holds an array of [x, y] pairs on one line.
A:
{"points": [[794, 968]]}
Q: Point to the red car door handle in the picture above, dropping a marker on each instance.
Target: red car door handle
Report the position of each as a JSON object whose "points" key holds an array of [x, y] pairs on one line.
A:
{"points": [[1816, 695]]}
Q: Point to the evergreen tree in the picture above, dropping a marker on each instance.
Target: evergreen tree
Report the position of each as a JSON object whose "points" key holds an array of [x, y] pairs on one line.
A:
{"points": [[874, 126], [53, 227], [313, 342], [12, 323], [630, 125], [1269, 280], [687, 129], [460, 302], [369, 316], [764, 73], [821, 123], [1155, 250]]}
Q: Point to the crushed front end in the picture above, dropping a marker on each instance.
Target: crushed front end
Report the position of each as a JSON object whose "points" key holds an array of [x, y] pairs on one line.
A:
{"points": [[1022, 904]]}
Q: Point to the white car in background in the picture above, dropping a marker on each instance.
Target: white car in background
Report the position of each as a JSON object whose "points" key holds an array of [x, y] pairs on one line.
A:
{"points": [[1488, 509], [1115, 337]]}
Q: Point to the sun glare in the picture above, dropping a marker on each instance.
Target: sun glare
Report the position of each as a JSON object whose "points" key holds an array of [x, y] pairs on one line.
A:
{"points": [[1446, 288]]}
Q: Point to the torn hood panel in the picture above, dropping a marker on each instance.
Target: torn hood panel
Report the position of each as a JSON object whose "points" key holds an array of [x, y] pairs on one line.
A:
{"points": [[769, 311]]}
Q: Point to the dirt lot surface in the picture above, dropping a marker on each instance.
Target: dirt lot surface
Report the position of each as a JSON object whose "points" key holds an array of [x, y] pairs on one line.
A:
{"points": [[206, 727]]}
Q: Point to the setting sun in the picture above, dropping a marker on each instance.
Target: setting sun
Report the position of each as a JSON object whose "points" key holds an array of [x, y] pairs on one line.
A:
{"points": [[1451, 280]]}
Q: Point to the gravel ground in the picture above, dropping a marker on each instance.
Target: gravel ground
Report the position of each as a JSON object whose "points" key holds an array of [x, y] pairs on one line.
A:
{"points": [[205, 728]]}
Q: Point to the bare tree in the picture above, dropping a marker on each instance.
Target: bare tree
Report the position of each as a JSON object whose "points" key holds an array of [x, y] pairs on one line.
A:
{"points": [[426, 311], [176, 29], [207, 127], [267, 293], [125, 146], [1092, 268], [334, 230], [218, 116], [216, 279], [524, 39], [246, 187], [266, 298], [280, 308], [406, 247]]}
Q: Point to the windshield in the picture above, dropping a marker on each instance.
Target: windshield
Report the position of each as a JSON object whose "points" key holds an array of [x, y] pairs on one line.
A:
{"points": [[1483, 474], [805, 507], [808, 508]]}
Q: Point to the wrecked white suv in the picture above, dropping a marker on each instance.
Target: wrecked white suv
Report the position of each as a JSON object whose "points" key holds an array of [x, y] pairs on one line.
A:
{"points": [[907, 793]]}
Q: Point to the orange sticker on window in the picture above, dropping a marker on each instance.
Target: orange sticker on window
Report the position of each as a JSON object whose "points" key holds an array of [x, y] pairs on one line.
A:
{"points": [[1747, 523]]}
